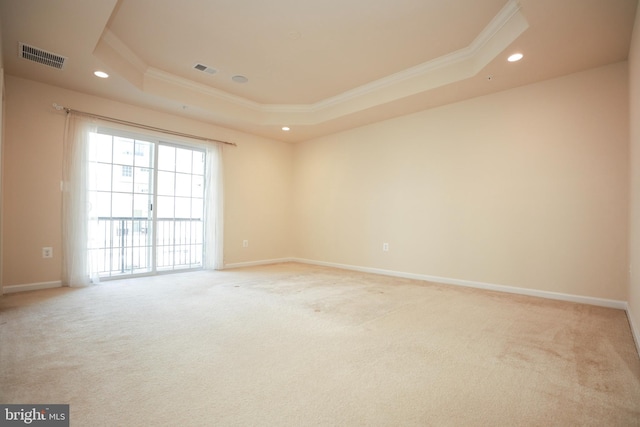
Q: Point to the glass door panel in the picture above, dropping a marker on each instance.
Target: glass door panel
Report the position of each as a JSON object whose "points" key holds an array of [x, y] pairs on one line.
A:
{"points": [[180, 211], [121, 193]]}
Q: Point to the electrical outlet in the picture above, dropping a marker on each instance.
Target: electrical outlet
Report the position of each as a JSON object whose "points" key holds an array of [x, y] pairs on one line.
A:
{"points": [[47, 252], [245, 243], [385, 247]]}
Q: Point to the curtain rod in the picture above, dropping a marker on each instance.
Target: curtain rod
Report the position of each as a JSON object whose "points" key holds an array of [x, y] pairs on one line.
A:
{"points": [[141, 126]]}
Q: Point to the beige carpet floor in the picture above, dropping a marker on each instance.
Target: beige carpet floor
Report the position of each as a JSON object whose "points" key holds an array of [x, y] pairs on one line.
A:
{"points": [[300, 345]]}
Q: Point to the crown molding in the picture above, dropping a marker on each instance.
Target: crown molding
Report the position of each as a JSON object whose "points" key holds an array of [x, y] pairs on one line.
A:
{"points": [[163, 76], [455, 66], [472, 50]]}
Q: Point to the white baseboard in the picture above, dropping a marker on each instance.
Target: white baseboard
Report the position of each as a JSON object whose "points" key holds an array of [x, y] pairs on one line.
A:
{"points": [[255, 263], [31, 287], [622, 305], [635, 329]]}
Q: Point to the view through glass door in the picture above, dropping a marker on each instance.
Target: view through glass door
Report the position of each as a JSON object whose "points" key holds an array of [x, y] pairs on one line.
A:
{"points": [[147, 205], [180, 213]]}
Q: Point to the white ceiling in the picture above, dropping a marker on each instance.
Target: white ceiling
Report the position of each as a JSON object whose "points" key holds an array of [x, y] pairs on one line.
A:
{"points": [[316, 66]]}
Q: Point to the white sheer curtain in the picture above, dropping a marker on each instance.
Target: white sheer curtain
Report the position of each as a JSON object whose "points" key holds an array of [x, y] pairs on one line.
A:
{"points": [[76, 267], [213, 238]]}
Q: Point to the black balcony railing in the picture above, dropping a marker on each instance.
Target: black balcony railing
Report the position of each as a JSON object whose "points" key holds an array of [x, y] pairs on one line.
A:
{"points": [[126, 243]]}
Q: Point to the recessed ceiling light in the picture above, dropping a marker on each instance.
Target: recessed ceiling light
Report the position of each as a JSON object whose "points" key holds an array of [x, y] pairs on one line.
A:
{"points": [[286, 128], [101, 74], [515, 57], [239, 79]]}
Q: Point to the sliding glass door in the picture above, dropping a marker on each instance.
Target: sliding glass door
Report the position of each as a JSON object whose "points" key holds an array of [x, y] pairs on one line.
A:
{"points": [[146, 203], [180, 201]]}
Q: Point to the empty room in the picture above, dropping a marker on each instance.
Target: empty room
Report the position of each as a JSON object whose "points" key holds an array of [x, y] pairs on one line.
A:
{"points": [[291, 213]]}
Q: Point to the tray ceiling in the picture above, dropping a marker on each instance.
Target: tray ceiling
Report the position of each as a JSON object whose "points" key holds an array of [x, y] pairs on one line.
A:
{"points": [[317, 67]]}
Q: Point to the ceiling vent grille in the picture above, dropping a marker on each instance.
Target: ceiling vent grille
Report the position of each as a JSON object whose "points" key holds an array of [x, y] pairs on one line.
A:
{"points": [[205, 69], [41, 56]]}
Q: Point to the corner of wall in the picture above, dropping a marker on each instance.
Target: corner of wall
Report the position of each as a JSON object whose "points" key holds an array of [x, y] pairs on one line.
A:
{"points": [[634, 187], [1, 158], [1, 147], [635, 329]]}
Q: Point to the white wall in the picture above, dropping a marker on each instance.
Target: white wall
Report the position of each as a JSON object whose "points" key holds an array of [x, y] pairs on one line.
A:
{"points": [[257, 178], [525, 188], [634, 104]]}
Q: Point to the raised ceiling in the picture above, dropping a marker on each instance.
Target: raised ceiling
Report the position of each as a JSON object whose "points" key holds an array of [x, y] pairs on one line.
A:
{"points": [[317, 67]]}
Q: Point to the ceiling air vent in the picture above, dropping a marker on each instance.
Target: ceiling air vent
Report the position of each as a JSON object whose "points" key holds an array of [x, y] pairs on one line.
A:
{"points": [[204, 68], [41, 56]]}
